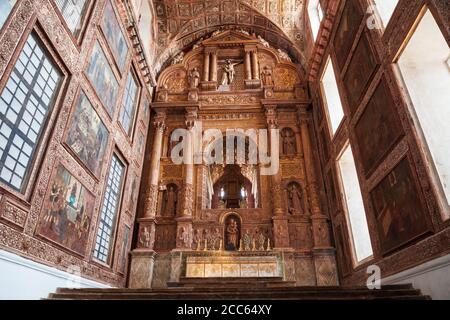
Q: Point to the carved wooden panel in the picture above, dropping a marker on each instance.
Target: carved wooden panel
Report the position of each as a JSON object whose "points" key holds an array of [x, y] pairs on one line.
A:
{"points": [[361, 69], [400, 213], [347, 29], [379, 117]]}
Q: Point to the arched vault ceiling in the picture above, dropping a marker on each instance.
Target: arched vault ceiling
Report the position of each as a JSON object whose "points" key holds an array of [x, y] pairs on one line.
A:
{"points": [[182, 22]]}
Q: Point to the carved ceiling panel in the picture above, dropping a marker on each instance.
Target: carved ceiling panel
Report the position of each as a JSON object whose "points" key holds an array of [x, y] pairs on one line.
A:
{"points": [[181, 23]]}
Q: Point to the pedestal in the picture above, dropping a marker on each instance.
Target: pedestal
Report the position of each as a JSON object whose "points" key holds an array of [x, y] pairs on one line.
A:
{"points": [[141, 270]]}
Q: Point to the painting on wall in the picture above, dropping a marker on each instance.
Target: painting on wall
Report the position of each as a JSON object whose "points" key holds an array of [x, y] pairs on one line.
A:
{"points": [[124, 249], [400, 214], [347, 30], [102, 78], [114, 35], [360, 71], [66, 213], [380, 116], [87, 135]]}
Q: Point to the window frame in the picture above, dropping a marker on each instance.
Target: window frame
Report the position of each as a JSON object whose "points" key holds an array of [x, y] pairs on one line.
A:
{"points": [[119, 206], [324, 98], [343, 202], [424, 149], [8, 19], [41, 150], [78, 38], [133, 123]]}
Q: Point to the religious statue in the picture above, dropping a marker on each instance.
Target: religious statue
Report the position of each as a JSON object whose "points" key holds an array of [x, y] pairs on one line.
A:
{"points": [[295, 200], [247, 241], [283, 55], [197, 239], [266, 76], [261, 242], [178, 58], [228, 73], [289, 142], [183, 237], [232, 232], [170, 201], [144, 239], [244, 32], [264, 42], [194, 78]]}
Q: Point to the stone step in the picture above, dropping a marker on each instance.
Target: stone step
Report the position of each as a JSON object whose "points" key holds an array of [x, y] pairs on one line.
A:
{"points": [[249, 293]]}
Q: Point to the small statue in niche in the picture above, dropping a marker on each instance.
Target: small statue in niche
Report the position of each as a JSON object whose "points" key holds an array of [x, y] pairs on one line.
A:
{"points": [[194, 78], [247, 241], [261, 241], [178, 58], [145, 238], [197, 239], [228, 73], [264, 42], [216, 238], [232, 232], [284, 56], [295, 200], [183, 237], [170, 201], [266, 76], [289, 142]]}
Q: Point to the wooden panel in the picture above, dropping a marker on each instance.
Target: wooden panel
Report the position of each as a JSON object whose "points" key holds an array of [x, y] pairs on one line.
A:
{"points": [[379, 117], [400, 214], [361, 69], [347, 30]]}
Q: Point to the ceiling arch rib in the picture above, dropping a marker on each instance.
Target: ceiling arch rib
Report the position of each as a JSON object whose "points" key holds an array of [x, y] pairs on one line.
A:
{"points": [[181, 23]]}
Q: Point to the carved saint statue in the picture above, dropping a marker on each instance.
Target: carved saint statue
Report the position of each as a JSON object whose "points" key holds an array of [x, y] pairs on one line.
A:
{"points": [[194, 78], [289, 143], [247, 241], [284, 55], [264, 42], [266, 76], [232, 231], [295, 200], [197, 239], [228, 73], [144, 239], [170, 201]]}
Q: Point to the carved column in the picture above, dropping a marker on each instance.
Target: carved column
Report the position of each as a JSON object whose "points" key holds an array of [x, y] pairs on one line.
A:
{"points": [[255, 65], [184, 221], [213, 67], [323, 253], [280, 219], [206, 64], [248, 66], [143, 257], [152, 192]]}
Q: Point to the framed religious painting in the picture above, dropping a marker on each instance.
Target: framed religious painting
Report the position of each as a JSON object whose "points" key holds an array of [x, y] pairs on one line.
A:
{"points": [[400, 213], [103, 79], [67, 211], [114, 36], [87, 135]]}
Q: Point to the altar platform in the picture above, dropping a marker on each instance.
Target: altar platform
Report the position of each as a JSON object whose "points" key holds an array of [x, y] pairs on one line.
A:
{"points": [[233, 264]]}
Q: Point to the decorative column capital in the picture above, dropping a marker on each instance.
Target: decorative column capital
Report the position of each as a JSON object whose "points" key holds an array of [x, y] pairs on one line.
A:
{"points": [[159, 120]]}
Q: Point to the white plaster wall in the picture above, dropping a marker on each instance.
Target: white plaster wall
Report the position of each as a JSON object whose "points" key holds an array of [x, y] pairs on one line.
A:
{"points": [[386, 9], [24, 279], [432, 278]]}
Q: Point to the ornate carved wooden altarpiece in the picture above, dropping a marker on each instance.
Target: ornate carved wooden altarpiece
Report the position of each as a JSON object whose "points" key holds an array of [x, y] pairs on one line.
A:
{"points": [[186, 228]]}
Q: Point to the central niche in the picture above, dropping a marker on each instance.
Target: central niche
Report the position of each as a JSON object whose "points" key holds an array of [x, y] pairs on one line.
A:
{"points": [[233, 190], [232, 232]]}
